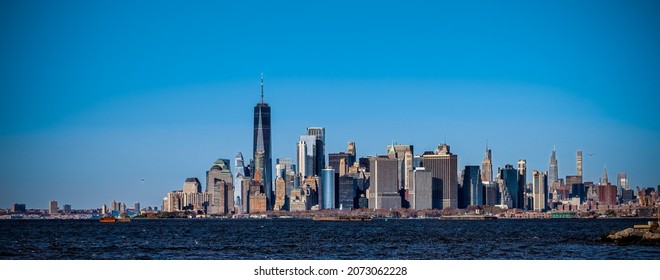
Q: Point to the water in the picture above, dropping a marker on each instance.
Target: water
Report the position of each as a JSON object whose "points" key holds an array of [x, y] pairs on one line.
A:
{"points": [[291, 239]]}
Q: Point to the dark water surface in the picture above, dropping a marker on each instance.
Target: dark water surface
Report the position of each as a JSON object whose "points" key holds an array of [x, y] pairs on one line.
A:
{"points": [[291, 239]]}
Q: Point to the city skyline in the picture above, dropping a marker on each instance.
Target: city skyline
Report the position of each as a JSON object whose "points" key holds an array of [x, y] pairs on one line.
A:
{"points": [[119, 114]]}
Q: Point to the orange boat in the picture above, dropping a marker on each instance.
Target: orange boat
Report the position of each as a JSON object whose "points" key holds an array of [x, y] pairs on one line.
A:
{"points": [[108, 219]]}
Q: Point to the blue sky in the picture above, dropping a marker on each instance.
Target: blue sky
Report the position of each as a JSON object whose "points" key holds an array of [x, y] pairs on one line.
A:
{"points": [[97, 95]]}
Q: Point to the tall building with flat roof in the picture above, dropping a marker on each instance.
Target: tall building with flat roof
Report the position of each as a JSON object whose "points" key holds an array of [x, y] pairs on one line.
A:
{"points": [[335, 159], [472, 188], [52, 207], [622, 183], [347, 189], [522, 183], [510, 177], [421, 196], [319, 148], [280, 195], [383, 187], [328, 189], [579, 163], [262, 142], [443, 165]]}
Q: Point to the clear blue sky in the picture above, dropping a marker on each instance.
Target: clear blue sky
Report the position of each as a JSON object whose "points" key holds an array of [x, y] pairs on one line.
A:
{"points": [[97, 95]]}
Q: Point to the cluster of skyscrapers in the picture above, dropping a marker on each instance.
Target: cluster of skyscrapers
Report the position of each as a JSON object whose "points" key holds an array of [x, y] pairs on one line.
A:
{"points": [[397, 179]]}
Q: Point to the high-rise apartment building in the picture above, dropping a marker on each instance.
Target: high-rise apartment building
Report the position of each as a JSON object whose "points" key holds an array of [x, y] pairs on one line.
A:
{"points": [[262, 143], [443, 165]]}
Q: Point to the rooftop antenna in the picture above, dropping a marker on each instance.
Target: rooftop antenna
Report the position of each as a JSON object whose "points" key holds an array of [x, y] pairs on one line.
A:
{"points": [[262, 88]]}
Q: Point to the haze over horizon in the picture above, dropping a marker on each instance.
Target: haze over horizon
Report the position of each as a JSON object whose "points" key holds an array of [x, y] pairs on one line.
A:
{"points": [[100, 95]]}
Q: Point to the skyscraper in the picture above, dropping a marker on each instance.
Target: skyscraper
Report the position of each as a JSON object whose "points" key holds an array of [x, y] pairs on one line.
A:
{"points": [[304, 168], [421, 190], [262, 142], [579, 163], [52, 207], [383, 188], [220, 184], [510, 177], [487, 167], [539, 190], [553, 172], [522, 182], [443, 165], [238, 186], [404, 154], [319, 148], [472, 189], [622, 183], [328, 188], [352, 154]]}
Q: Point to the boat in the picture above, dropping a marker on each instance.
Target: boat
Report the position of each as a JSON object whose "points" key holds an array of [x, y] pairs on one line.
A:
{"points": [[114, 220], [108, 219]]}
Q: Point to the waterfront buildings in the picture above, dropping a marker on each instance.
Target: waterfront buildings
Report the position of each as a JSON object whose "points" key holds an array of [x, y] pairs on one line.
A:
{"points": [[443, 165], [262, 143], [190, 198]]}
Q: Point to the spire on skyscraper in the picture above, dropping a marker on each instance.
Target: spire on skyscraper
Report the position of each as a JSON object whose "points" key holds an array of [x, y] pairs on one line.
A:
{"points": [[262, 88], [605, 181]]}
